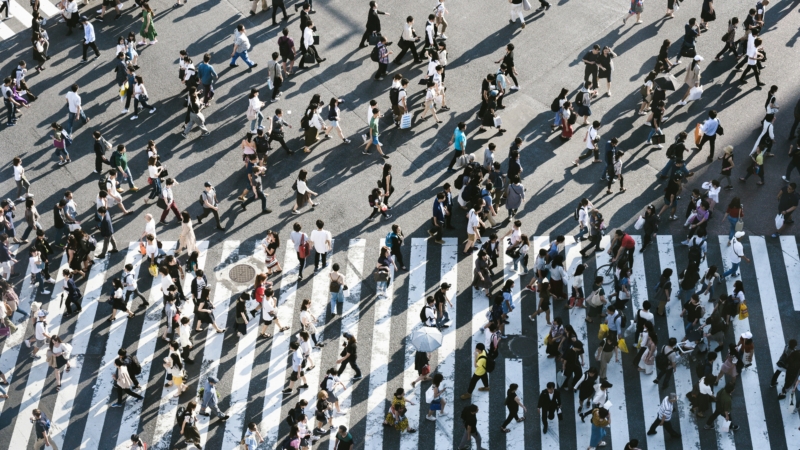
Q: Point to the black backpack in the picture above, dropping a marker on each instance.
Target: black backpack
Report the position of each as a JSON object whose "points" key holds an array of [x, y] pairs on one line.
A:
{"points": [[375, 55], [459, 182], [422, 316], [133, 365], [91, 243], [662, 359], [555, 105], [490, 364], [695, 251], [394, 95], [304, 122], [623, 320], [579, 98], [180, 415]]}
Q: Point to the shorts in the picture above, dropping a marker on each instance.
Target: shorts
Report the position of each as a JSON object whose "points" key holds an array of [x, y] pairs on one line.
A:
{"points": [[109, 3], [471, 237], [667, 202], [285, 58], [436, 404], [334, 123], [375, 140], [266, 322], [39, 343], [295, 375]]}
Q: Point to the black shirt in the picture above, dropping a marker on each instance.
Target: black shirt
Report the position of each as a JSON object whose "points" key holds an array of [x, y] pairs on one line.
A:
{"points": [[440, 299], [590, 57], [509, 60], [351, 349], [690, 34], [788, 199], [470, 420], [511, 400]]}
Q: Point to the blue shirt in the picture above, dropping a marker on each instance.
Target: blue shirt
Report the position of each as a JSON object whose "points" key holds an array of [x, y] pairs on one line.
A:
{"points": [[460, 140], [206, 73]]}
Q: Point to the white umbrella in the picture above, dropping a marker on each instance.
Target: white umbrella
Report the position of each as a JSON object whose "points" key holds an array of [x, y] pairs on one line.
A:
{"points": [[426, 339]]}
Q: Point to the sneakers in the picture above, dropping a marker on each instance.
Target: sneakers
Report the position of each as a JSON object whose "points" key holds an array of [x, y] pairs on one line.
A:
{"points": [[152, 110], [357, 378], [124, 111], [431, 418], [134, 117]]}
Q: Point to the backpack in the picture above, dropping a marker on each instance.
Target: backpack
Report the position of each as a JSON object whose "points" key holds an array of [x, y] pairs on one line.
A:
{"points": [[555, 105], [623, 320], [375, 56], [58, 221], [45, 422], [662, 359], [304, 122], [459, 182], [103, 183], [490, 365], [323, 386], [389, 237], [394, 95], [180, 415], [134, 367], [579, 98], [422, 316], [671, 150], [494, 345], [695, 251]]}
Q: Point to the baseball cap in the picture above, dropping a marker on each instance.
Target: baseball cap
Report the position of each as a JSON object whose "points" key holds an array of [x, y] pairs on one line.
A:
{"points": [[739, 234], [213, 380], [446, 286], [207, 184]]}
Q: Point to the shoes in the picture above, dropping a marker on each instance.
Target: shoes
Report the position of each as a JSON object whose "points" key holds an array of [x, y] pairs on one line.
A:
{"points": [[152, 110], [357, 378], [708, 427], [134, 117]]}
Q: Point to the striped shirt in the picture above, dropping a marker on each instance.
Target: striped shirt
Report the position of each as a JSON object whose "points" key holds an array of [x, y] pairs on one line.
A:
{"points": [[665, 409]]}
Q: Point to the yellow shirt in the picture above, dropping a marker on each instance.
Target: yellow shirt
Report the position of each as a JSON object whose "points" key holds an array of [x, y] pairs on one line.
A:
{"points": [[760, 159], [480, 365]]}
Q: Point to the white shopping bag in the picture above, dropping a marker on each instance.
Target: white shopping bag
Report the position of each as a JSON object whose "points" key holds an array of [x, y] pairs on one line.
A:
{"points": [[725, 427], [639, 223], [695, 93], [498, 122], [405, 121], [778, 221]]}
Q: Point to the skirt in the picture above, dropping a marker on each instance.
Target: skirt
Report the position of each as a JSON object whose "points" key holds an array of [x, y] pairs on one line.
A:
{"points": [[119, 304], [310, 136], [708, 16], [399, 425], [191, 433], [60, 361], [557, 288], [332, 398], [301, 199]]}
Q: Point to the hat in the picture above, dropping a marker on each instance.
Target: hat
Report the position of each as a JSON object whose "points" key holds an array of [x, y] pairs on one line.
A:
{"points": [[84, 19], [747, 335], [207, 184], [606, 384], [698, 58], [739, 234], [42, 313], [446, 286], [213, 380]]}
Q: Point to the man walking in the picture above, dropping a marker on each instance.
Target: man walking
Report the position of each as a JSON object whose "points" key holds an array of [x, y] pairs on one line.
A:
{"points": [[130, 285], [549, 405], [42, 425], [307, 44], [735, 256], [210, 205], [195, 116], [590, 67], [664, 416], [322, 244], [722, 407], [709, 129], [459, 139], [408, 42], [210, 399], [788, 199], [207, 76], [258, 191], [438, 219], [373, 23], [383, 58], [241, 45], [470, 420], [297, 369], [119, 159], [88, 38], [107, 231], [75, 108], [669, 351], [481, 370], [169, 201]]}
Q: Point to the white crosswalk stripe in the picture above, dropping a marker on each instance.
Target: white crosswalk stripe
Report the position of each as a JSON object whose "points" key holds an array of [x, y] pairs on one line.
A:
{"points": [[21, 18], [387, 371]]}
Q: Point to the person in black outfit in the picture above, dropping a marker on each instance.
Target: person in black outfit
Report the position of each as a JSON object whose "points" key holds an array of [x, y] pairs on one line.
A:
{"points": [[549, 404], [258, 191], [590, 67], [373, 23], [74, 295], [127, 362], [348, 356], [275, 5], [512, 403], [571, 364]]}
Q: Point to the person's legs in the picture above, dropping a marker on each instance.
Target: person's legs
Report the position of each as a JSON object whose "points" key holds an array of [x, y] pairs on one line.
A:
{"points": [[473, 382], [655, 425], [276, 88], [669, 429]]}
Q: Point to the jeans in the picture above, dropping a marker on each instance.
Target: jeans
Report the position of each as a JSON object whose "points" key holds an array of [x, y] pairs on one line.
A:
{"points": [[653, 132], [336, 297], [465, 439], [670, 167], [733, 221], [128, 178], [710, 287], [733, 270], [11, 111], [442, 319], [256, 122], [243, 55], [524, 260], [71, 119], [557, 119], [156, 191]]}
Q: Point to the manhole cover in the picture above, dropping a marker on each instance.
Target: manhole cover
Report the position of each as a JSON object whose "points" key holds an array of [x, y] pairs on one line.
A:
{"points": [[523, 347], [242, 273]]}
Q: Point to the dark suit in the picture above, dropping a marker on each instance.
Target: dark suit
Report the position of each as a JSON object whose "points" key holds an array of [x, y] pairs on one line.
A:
{"points": [[549, 406], [493, 250], [107, 231], [74, 297], [373, 24]]}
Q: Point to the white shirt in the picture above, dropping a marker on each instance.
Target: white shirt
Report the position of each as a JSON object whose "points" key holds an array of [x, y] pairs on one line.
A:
{"points": [[317, 122], [516, 236], [118, 293], [267, 306], [185, 331], [408, 32], [429, 31], [737, 251], [150, 228], [138, 90], [590, 137], [18, 171], [319, 238], [648, 316], [710, 126], [472, 222], [166, 282], [152, 171], [713, 192], [301, 187], [74, 101], [33, 264], [190, 70], [39, 331], [166, 192], [297, 357], [296, 237], [401, 96], [308, 37], [767, 128], [129, 281], [88, 32], [432, 67], [152, 251]]}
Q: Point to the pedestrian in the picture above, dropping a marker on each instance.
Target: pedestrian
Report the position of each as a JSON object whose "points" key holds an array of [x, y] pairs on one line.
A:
{"points": [[601, 418], [517, 11], [753, 58], [511, 69], [430, 33], [727, 166], [408, 40], [148, 30], [374, 133], [439, 214], [664, 416], [794, 160], [304, 194], [722, 407], [131, 286], [707, 14], [591, 67], [107, 231], [285, 48], [256, 186], [666, 365], [756, 166], [307, 323], [264, 7], [58, 357], [480, 373], [729, 39], [42, 427], [788, 199], [241, 45], [70, 15], [435, 398], [123, 383], [270, 245], [210, 204], [308, 46], [396, 417], [710, 129], [691, 33], [349, 354], [549, 404], [211, 400], [692, 78], [101, 146], [470, 420], [252, 437], [119, 160], [207, 75], [637, 7], [568, 118], [169, 201], [605, 63], [75, 109], [12, 104], [373, 23], [193, 114], [189, 430]]}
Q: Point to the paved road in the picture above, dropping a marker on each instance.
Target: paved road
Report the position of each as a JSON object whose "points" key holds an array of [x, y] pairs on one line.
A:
{"points": [[548, 55]]}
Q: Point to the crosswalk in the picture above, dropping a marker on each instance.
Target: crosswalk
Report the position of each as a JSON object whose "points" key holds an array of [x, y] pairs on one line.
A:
{"points": [[21, 18], [254, 371]]}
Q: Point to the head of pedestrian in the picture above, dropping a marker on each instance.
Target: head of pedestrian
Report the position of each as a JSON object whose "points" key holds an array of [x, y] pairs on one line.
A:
{"points": [[673, 398], [376, 112], [596, 124], [169, 181], [431, 18], [306, 7], [207, 186], [240, 28], [595, 49], [738, 235], [598, 281], [373, 4], [462, 126], [695, 299], [479, 347], [551, 387], [84, 20]]}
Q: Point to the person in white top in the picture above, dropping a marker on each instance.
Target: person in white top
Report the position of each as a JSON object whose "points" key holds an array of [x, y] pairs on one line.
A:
{"points": [[322, 244], [88, 38], [307, 45], [23, 185], [149, 226], [36, 265], [241, 45], [473, 228], [113, 192], [184, 333], [140, 96], [39, 334], [753, 56], [169, 200], [767, 136], [439, 11], [70, 14], [736, 254], [297, 368], [75, 108], [431, 98], [408, 42], [304, 194], [592, 141]]}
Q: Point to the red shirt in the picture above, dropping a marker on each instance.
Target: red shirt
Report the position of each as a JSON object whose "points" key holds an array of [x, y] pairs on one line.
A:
{"points": [[260, 294], [628, 242]]}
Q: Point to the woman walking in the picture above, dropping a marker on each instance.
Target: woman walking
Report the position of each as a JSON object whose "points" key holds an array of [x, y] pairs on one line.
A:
{"points": [[270, 245], [334, 117], [118, 302], [148, 30], [155, 172], [568, 118], [254, 111], [647, 92], [733, 215], [606, 349], [140, 96], [601, 418], [386, 184], [663, 64], [692, 79], [437, 401], [513, 403], [187, 240], [650, 227], [605, 64], [730, 40], [205, 312], [60, 141], [40, 45], [123, 383], [174, 367], [727, 166], [189, 429], [558, 104], [60, 358], [707, 14], [350, 353], [396, 417], [304, 194]]}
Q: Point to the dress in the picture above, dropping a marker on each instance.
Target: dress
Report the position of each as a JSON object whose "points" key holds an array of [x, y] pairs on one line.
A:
{"points": [[707, 14], [187, 239], [205, 317], [146, 32], [604, 61], [400, 423]]}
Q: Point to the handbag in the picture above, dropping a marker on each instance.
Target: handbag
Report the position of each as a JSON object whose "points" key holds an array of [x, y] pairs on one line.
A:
{"points": [[598, 353], [603, 332], [547, 339], [623, 346], [698, 134], [373, 38], [498, 122], [659, 139], [142, 248], [425, 370], [726, 426], [316, 40], [526, 5], [639, 223], [740, 224], [308, 58], [743, 314], [305, 247], [58, 143], [381, 276], [405, 121], [153, 269], [161, 203], [143, 97]]}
